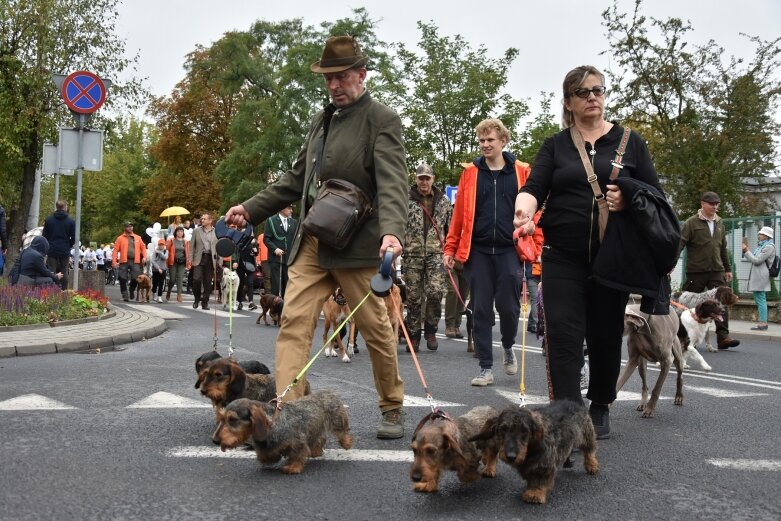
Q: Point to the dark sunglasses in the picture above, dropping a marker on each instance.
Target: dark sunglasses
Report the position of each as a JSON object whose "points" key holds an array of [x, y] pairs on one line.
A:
{"points": [[598, 91]]}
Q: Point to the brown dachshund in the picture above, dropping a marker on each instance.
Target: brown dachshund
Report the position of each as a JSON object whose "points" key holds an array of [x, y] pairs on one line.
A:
{"points": [[144, 289]]}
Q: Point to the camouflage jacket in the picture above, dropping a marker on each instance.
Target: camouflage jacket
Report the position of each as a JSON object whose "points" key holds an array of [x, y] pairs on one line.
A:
{"points": [[420, 235]]}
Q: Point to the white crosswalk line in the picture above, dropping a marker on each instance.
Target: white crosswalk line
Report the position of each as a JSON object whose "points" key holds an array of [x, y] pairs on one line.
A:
{"points": [[158, 310], [721, 393], [164, 400], [747, 464], [416, 401], [531, 399], [401, 456], [31, 402]]}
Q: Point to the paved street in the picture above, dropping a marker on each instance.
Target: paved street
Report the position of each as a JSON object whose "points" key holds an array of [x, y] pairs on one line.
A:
{"points": [[124, 435]]}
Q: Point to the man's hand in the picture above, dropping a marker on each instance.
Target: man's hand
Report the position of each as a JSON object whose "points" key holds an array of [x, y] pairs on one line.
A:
{"points": [[390, 241], [448, 261], [238, 215], [728, 276]]}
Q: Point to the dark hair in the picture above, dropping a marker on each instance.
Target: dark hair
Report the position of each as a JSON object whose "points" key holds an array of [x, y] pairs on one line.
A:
{"points": [[177, 229], [572, 81]]}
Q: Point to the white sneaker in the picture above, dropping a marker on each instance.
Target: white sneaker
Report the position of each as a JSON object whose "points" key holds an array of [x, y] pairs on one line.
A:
{"points": [[486, 377], [509, 363], [159, 300]]}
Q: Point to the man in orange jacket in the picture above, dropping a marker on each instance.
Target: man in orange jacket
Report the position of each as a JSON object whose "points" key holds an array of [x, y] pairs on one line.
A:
{"points": [[481, 237], [129, 255]]}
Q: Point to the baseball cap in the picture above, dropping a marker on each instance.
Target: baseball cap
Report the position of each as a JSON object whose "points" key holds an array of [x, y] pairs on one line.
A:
{"points": [[161, 241], [710, 197], [128, 223], [424, 170]]}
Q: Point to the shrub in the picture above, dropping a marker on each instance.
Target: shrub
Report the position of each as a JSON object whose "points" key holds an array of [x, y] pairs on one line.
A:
{"points": [[21, 305]]}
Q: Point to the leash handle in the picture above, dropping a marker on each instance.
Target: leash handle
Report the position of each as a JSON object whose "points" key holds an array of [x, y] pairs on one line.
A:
{"points": [[387, 262]]}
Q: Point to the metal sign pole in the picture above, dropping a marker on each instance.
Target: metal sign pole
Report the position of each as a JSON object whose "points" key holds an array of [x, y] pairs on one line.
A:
{"points": [[56, 190], [79, 172]]}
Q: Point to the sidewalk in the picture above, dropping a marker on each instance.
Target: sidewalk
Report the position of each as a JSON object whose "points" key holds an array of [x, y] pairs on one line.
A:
{"points": [[130, 325]]}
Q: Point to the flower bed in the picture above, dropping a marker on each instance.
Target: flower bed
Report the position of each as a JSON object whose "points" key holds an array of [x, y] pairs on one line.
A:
{"points": [[24, 305]]}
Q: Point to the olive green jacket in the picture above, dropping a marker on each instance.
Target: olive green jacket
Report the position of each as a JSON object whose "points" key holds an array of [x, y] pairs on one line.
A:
{"points": [[364, 146], [704, 252]]}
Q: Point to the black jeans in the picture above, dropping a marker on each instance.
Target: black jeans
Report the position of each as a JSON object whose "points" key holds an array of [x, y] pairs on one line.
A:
{"points": [[578, 308], [493, 279]]}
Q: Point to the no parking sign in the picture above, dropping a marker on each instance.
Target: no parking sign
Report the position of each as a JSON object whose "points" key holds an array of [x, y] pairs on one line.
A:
{"points": [[83, 92]]}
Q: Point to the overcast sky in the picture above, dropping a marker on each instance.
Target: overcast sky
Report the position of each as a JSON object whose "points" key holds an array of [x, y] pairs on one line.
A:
{"points": [[553, 36]]}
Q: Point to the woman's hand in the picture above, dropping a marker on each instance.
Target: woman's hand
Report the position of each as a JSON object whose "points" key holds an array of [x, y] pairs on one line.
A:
{"points": [[614, 198]]}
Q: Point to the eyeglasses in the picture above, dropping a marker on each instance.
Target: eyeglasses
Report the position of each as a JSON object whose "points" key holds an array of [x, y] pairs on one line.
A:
{"points": [[582, 92]]}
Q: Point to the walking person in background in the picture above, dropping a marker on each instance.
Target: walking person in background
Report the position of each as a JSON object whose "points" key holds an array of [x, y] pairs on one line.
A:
{"points": [[129, 258], [203, 261], [244, 265], [60, 230], [278, 235], [577, 305], [481, 237], [428, 217], [159, 267], [708, 262], [178, 259], [759, 276]]}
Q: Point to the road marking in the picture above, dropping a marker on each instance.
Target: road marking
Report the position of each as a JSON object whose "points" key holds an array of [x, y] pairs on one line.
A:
{"points": [[416, 401], [747, 464], [722, 393], [164, 400], [31, 402], [531, 399], [398, 456]]}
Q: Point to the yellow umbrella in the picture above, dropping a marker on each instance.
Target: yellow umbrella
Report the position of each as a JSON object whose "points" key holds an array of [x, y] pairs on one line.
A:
{"points": [[175, 210]]}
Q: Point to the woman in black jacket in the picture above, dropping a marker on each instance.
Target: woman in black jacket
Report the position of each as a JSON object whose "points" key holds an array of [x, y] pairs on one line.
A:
{"points": [[32, 268], [577, 305]]}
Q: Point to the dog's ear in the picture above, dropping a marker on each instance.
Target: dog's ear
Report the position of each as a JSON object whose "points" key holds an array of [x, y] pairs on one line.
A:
{"points": [[488, 430], [261, 424], [199, 380], [238, 380], [537, 427], [452, 445]]}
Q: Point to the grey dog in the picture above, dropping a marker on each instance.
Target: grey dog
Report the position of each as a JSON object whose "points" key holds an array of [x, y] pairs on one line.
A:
{"points": [[652, 338]]}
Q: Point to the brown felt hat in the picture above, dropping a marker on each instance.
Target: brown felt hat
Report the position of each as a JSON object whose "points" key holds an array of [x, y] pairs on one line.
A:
{"points": [[340, 53]]}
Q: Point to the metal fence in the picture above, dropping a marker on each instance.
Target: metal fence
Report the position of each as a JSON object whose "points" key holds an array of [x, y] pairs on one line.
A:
{"points": [[737, 228]]}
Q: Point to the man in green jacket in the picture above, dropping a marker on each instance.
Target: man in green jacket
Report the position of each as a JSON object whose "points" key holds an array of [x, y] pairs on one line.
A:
{"points": [[708, 264], [357, 139]]}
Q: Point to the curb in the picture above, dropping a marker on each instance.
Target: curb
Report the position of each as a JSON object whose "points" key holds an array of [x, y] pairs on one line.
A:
{"points": [[29, 327]]}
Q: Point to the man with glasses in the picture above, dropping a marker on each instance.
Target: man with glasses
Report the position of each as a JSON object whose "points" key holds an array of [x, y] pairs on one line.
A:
{"points": [[708, 263], [129, 256]]}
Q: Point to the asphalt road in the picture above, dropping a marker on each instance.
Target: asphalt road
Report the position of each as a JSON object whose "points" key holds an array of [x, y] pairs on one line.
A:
{"points": [[124, 435]]}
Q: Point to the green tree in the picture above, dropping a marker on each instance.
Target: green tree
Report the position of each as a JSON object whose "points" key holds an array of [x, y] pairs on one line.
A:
{"points": [[709, 124], [443, 93], [38, 38], [538, 130]]}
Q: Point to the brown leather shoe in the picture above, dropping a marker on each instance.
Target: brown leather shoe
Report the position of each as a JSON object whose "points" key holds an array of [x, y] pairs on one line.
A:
{"points": [[450, 332], [179, 298], [727, 342]]}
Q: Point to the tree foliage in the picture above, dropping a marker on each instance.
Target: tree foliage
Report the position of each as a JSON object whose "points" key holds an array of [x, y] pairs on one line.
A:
{"points": [[39, 38], [443, 93], [709, 123], [538, 130]]}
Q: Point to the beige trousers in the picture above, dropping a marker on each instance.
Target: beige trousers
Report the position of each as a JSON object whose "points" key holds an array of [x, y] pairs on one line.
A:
{"points": [[308, 288]]}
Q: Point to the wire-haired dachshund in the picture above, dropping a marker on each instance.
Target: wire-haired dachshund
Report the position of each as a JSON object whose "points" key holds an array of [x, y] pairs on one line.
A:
{"points": [[271, 305], [538, 442], [206, 359], [296, 432], [441, 443]]}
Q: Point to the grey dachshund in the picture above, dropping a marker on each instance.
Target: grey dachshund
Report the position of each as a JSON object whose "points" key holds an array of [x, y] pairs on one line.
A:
{"points": [[296, 432]]}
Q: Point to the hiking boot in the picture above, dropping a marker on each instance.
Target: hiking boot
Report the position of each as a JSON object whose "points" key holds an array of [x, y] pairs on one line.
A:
{"points": [[415, 343], [458, 332], [509, 362], [486, 377], [725, 343], [450, 332], [600, 417], [392, 425], [431, 341]]}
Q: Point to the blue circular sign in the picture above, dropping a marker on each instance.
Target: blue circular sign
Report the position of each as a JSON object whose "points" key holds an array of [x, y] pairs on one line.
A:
{"points": [[83, 92]]}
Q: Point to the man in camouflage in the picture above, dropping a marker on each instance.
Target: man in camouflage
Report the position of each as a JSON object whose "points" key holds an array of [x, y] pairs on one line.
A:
{"points": [[428, 217]]}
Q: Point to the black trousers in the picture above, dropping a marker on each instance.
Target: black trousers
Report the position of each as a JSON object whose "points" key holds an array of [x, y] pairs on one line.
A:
{"points": [[203, 279], [59, 264], [493, 280], [578, 308]]}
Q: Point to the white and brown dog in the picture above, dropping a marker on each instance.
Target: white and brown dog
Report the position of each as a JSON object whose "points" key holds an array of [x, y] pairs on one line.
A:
{"points": [[694, 330], [229, 288]]}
